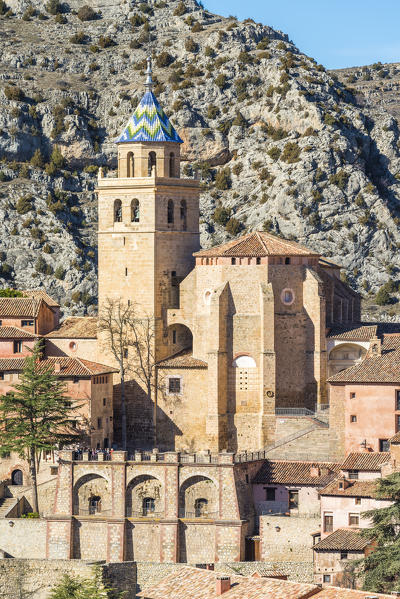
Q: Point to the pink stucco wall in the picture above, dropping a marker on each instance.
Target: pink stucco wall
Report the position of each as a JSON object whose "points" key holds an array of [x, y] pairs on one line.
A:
{"points": [[341, 507]]}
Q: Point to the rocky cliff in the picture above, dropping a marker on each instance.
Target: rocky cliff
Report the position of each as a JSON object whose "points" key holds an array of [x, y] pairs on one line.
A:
{"points": [[279, 143]]}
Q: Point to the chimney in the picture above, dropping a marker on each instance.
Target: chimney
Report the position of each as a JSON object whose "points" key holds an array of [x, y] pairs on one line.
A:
{"points": [[57, 367], [314, 471], [223, 585], [375, 347]]}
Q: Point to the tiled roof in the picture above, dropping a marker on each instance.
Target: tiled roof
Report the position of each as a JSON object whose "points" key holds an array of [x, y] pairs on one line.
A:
{"points": [[149, 123], [395, 438], [15, 333], [183, 359], [363, 331], [343, 539], [328, 263], [84, 327], [40, 294], [194, 583], [68, 366], [257, 244], [340, 593], [375, 369], [372, 460], [355, 488], [296, 473], [19, 306]]}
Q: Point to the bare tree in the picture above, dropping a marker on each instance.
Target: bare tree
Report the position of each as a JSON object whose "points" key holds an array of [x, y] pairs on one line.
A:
{"points": [[130, 338]]}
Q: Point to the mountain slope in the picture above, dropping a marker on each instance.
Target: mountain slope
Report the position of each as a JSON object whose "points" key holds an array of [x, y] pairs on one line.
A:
{"points": [[278, 142]]}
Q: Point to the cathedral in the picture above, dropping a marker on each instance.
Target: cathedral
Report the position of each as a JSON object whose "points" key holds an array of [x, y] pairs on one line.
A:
{"points": [[239, 329]]}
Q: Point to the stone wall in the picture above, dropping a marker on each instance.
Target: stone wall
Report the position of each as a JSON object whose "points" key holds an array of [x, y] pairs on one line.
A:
{"points": [[285, 538], [25, 538], [35, 578]]}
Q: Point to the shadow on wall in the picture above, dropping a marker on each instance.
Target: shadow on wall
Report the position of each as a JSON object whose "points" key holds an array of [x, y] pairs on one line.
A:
{"points": [[140, 420]]}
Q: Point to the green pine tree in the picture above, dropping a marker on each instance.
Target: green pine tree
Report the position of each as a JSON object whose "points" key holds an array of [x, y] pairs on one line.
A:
{"points": [[84, 588], [381, 568], [36, 415]]}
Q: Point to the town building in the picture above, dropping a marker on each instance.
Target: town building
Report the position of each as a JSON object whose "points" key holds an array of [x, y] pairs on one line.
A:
{"points": [[365, 398]]}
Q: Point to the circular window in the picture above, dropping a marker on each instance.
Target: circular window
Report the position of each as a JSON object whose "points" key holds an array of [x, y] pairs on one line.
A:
{"points": [[287, 296], [72, 346], [207, 297]]}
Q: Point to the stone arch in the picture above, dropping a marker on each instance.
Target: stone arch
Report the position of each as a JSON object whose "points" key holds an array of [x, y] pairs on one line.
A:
{"points": [[344, 356], [244, 361], [130, 164], [180, 337], [170, 212], [135, 211], [17, 477], [172, 164], [183, 215], [117, 211], [195, 489], [92, 495], [140, 490], [151, 162]]}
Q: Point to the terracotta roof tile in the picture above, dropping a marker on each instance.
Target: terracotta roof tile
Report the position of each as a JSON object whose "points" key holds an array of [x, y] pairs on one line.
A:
{"points": [[194, 583], [343, 539], [15, 333], [41, 294], [183, 359], [364, 331], [375, 369], [84, 327], [366, 461], [395, 438], [355, 488], [257, 244], [19, 306], [297, 473], [69, 366]]}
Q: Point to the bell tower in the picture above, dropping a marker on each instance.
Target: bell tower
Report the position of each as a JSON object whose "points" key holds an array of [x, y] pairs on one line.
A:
{"points": [[148, 218]]}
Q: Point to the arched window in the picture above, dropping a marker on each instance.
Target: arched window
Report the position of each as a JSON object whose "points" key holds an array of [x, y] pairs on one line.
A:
{"points": [[152, 161], [117, 211], [149, 506], [135, 211], [130, 165], [200, 507], [16, 477], [170, 212], [183, 215], [172, 164]]}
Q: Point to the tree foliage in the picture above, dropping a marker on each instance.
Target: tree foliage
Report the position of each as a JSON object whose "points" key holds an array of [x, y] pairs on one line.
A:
{"points": [[381, 568], [83, 588]]}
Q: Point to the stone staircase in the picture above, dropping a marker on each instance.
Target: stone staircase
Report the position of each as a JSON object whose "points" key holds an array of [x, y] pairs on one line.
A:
{"points": [[310, 443], [6, 503]]}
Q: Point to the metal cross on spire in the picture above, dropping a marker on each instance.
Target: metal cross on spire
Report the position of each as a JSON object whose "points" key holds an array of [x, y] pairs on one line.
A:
{"points": [[149, 81]]}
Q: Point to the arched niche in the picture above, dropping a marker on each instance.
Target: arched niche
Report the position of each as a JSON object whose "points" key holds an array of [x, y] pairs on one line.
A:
{"points": [[180, 337], [151, 163], [344, 356], [198, 498], [183, 215], [170, 212], [92, 496], [172, 164], [130, 164], [117, 211], [144, 497], [135, 211]]}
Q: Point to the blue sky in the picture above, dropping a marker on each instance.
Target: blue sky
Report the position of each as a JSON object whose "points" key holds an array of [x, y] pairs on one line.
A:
{"points": [[337, 33]]}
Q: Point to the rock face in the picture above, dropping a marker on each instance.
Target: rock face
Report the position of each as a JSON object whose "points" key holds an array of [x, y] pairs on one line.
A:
{"points": [[278, 142]]}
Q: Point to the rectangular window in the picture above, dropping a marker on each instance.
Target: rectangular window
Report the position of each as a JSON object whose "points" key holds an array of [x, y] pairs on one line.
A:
{"points": [[26, 323], [353, 418], [397, 422], [99, 423], [174, 385], [357, 500], [104, 401], [354, 519], [125, 352], [384, 445], [293, 500], [1, 376], [398, 399], [344, 555], [270, 494], [75, 380], [328, 522], [233, 260], [352, 395], [126, 272], [353, 474], [17, 347], [174, 336], [327, 577]]}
